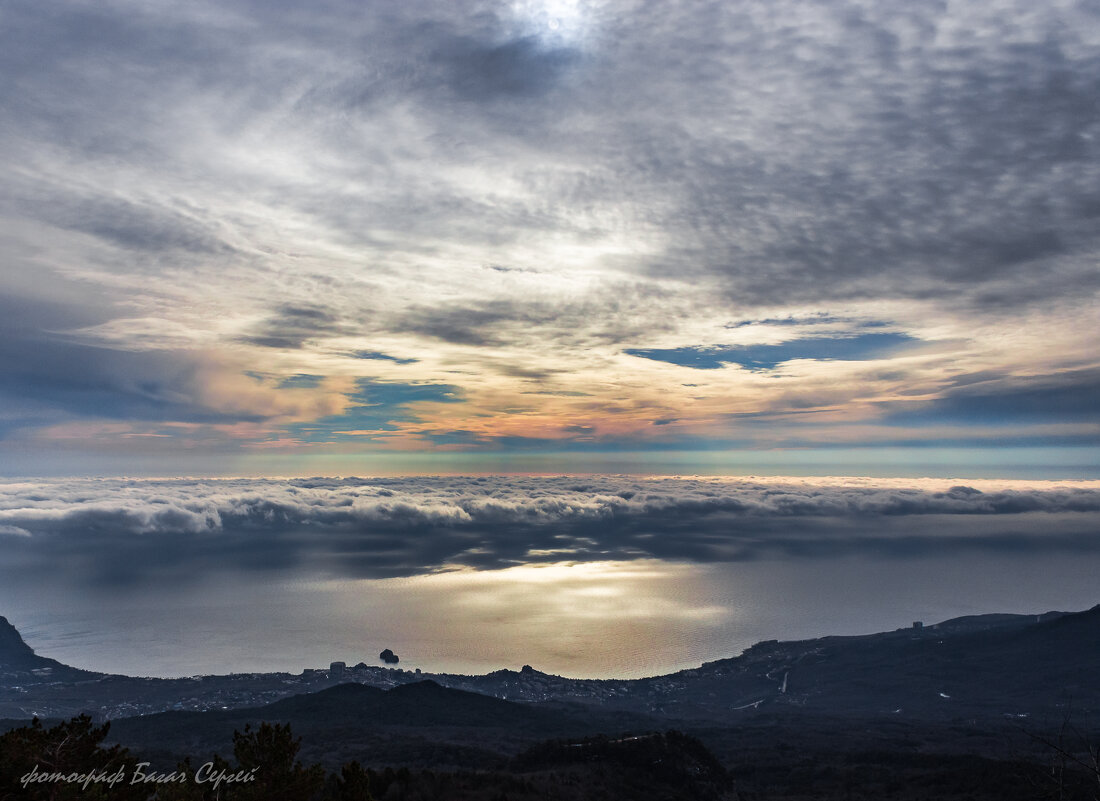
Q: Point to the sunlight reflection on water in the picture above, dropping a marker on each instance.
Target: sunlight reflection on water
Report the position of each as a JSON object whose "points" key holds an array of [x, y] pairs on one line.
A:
{"points": [[623, 619]]}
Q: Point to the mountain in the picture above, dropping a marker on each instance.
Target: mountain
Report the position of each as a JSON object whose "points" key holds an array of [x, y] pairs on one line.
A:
{"points": [[18, 661], [14, 653], [418, 723], [986, 666]]}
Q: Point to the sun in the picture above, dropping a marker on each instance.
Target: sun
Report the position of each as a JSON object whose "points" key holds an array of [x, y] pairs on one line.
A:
{"points": [[566, 21]]}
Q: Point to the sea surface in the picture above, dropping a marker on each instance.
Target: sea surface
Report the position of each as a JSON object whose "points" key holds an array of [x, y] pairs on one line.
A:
{"points": [[594, 619]]}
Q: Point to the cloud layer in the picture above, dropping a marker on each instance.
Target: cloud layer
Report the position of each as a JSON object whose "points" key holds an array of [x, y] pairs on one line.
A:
{"points": [[115, 532]]}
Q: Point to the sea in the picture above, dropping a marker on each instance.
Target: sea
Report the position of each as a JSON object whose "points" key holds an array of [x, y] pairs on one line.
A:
{"points": [[613, 619]]}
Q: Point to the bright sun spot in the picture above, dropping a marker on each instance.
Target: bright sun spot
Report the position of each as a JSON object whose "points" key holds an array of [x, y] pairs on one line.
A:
{"points": [[562, 20]]}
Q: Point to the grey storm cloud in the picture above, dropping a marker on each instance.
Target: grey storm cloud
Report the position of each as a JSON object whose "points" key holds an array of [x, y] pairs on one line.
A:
{"points": [[115, 531]]}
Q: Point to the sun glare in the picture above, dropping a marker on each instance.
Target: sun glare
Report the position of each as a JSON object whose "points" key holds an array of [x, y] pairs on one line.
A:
{"points": [[562, 20]]}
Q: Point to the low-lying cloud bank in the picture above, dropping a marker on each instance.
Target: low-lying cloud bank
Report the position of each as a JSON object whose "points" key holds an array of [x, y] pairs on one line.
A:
{"points": [[115, 532]]}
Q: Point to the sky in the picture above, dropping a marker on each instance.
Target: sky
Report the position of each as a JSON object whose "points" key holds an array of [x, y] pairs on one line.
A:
{"points": [[245, 238]]}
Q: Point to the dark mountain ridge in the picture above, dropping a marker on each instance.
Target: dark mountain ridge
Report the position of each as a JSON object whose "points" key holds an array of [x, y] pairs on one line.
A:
{"points": [[19, 661], [418, 723], [981, 666]]}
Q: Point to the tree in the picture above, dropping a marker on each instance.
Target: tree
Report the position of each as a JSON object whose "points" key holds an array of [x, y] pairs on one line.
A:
{"points": [[65, 762], [1074, 762], [268, 755], [353, 784], [191, 789]]}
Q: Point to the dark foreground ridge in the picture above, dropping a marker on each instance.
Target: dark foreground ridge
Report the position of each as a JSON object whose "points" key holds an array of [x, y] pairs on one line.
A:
{"points": [[421, 724], [983, 707]]}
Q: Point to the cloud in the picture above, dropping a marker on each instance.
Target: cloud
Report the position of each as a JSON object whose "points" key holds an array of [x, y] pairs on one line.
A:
{"points": [[815, 319], [543, 214], [52, 374], [458, 326], [292, 326], [118, 531], [999, 400], [48, 376], [906, 153], [855, 152], [518, 68], [301, 381], [149, 229]]}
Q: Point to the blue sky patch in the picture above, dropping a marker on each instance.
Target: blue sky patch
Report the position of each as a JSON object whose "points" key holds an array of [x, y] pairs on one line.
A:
{"points": [[378, 406], [379, 356], [767, 357], [380, 393]]}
